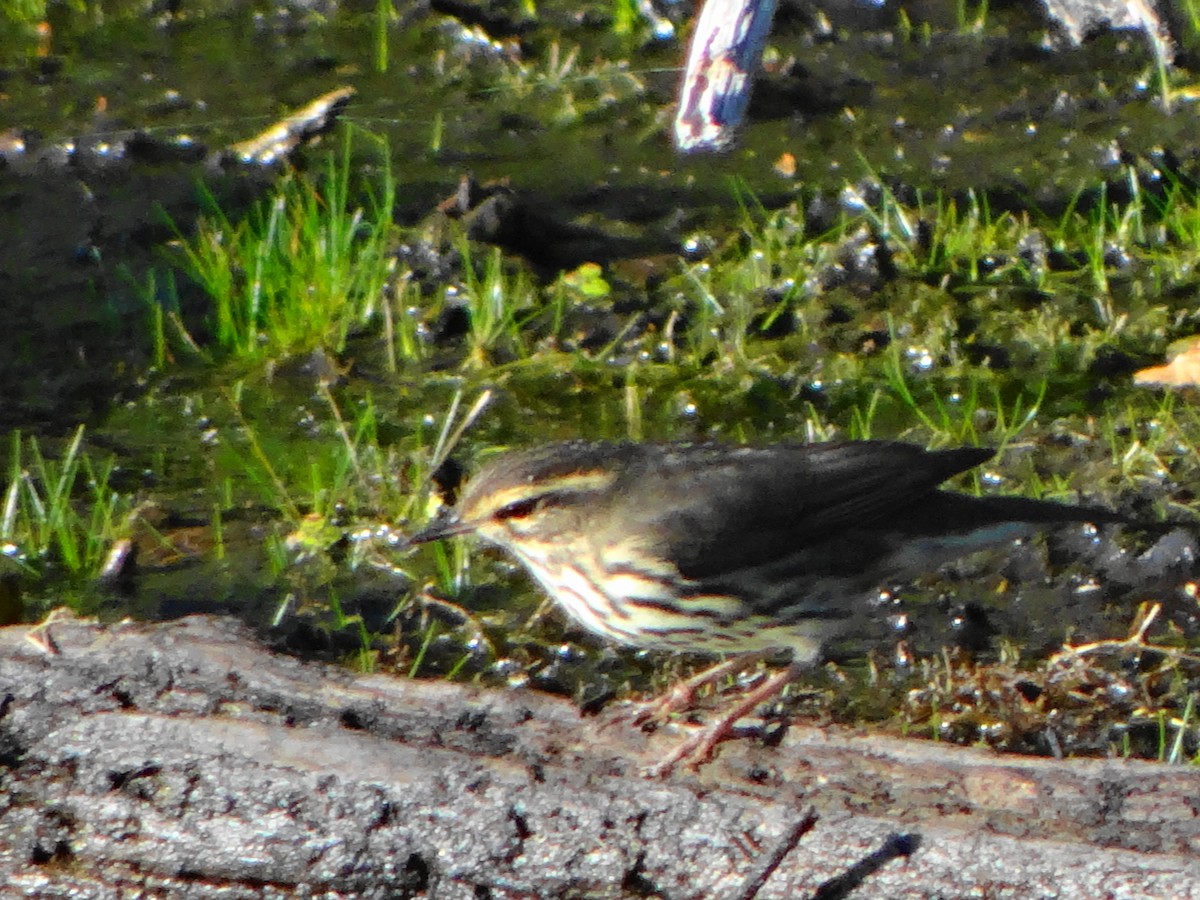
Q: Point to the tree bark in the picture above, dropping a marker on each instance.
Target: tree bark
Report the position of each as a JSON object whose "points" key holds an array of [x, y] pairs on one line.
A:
{"points": [[186, 760]]}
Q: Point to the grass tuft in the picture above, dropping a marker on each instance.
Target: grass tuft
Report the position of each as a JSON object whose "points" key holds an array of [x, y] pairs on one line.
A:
{"points": [[302, 271]]}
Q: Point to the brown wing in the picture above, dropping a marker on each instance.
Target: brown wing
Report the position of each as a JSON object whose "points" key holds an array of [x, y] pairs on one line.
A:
{"points": [[720, 509]]}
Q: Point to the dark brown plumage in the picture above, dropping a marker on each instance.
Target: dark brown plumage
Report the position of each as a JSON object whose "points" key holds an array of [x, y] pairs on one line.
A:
{"points": [[734, 550]]}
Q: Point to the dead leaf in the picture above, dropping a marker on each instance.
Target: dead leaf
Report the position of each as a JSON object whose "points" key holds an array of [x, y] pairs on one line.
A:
{"points": [[786, 165], [1182, 368]]}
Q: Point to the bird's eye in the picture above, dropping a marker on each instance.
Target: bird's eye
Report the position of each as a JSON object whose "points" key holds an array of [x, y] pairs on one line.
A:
{"points": [[516, 510]]}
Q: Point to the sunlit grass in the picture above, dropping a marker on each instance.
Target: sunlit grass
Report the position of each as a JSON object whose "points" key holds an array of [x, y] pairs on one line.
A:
{"points": [[971, 17], [28, 13], [495, 300], [305, 268], [59, 512], [565, 90], [348, 485]]}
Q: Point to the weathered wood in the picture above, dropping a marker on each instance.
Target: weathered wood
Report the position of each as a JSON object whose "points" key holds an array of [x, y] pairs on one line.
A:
{"points": [[187, 760]]}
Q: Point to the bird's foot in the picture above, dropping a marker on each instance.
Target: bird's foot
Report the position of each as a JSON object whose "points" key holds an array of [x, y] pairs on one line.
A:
{"points": [[682, 697], [698, 749]]}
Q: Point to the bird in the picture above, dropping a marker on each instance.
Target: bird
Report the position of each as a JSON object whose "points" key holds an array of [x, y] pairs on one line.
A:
{"points": [[743, 552]]}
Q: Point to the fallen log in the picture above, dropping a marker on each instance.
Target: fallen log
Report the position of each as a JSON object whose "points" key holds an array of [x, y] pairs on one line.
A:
{"points": [[185, 759]]}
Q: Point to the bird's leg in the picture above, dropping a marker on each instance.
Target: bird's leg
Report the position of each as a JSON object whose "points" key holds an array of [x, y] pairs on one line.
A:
{"points": [[683, 695], [698, 749]]}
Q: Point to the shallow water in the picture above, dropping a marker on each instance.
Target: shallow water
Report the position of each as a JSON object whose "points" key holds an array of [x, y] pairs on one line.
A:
{"points": [[576, 119]]}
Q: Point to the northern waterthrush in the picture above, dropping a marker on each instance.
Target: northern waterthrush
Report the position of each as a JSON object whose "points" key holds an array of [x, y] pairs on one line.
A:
{"points": [[743, 551]]}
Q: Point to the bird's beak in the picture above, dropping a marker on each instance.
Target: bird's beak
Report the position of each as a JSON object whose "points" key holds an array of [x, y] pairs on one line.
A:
{"points": [[446, 523]]}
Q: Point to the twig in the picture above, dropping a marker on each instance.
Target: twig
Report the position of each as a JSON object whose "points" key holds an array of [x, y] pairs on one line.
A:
{"points": [[850, 880], [755, 880]]}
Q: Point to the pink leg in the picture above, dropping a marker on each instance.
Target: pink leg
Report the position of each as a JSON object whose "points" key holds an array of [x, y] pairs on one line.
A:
{"points": [[698, 749], [683, 695]]}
